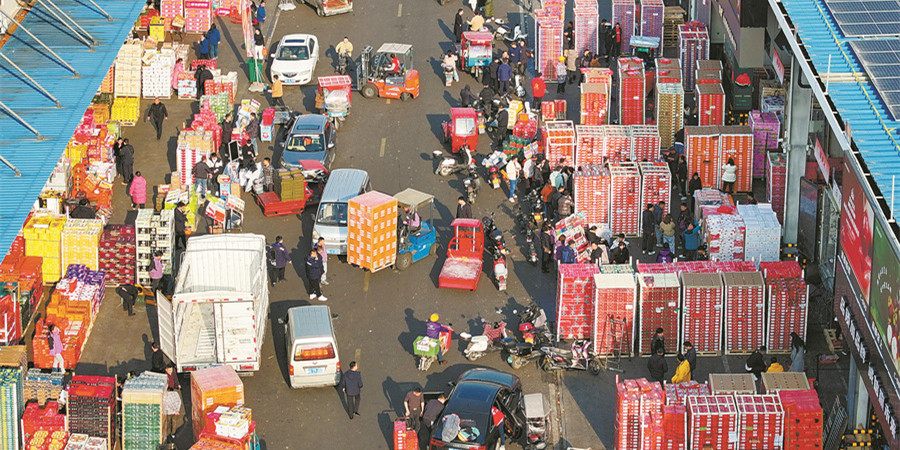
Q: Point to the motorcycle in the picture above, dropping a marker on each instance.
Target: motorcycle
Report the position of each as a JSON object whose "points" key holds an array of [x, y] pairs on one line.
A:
{"points": [[510, 33], [489, 341], [535, 335], [450, 165], [495, 244], [472, 185], [448, 75], [494, 163], [343, 64], [427, 350], [578, 357], [530, 217]]}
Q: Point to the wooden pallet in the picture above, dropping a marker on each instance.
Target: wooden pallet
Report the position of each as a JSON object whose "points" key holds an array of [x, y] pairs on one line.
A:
{"points": [[739, 352], [719, 353], [834, 344]]}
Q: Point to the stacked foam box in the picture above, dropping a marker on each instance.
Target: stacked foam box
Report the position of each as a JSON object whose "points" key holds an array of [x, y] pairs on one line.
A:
{"points": [[591, 185], [624, 194], [142, 411], [760, 422], [81, 242], [372, 230], [762, 232], [211, 388], [656, 184], [652, 400], [712, 421], [92, 407], [736, 142], [693, 45], [127, 80], [701, 150], [587, 22], [660, 299], [645, 142], [631, 88], [674, 424], [628, 409], [43, 237], [154, 231], [574, 299], [678, 394], [197, 16], [12, 405], [724, 237], [702, 311], [595, 102], [710, 104], [559, 142], [615, 297], [192, 146], [788, 298], [766, 128], [732, 383], [42, 386], [616, 143], [776, 182], [549, 42], [802, 419], [43, 426], [156, 76], [744, 311], [669, 111], [117, 254], [126, 110], [623, 13]]}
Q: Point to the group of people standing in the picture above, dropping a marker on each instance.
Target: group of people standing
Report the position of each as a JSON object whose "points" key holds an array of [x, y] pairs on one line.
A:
{"points": [[686, 360]]}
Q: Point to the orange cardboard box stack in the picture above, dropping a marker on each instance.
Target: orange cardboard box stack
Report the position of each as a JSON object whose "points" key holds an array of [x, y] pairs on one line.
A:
{"points": [[372, 231], [211, 388]]}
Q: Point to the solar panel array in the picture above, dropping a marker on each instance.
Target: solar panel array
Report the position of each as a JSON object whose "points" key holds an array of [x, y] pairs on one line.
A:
{"points": [[866, 17], [881, 59]]}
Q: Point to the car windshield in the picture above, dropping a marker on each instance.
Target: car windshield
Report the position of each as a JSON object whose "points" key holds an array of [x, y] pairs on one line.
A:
{"points": [[293, 53], [465, 126], [304, 143], [332, 214]]}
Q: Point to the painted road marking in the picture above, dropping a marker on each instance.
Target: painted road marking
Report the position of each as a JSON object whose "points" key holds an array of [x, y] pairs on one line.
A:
{"points": [[381, 152], [399, 9]]}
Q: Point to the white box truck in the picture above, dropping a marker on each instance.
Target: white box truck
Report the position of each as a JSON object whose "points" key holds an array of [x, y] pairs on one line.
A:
{"points": [[218, 312]]}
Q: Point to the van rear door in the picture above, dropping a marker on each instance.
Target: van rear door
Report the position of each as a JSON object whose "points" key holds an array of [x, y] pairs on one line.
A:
{"points": [[166, 325]]}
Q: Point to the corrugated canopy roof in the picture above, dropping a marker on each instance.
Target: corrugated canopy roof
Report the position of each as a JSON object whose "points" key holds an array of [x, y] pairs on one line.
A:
{"points": [[69, 40]]}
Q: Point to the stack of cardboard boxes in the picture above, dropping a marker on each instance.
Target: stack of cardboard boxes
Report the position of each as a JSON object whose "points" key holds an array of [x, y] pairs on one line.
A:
{"points": [[372, 231]]}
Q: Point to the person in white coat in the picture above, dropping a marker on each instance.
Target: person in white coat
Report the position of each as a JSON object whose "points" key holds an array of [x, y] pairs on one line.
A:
{"points": [[729, 176], [513, 170], [798, 353]]}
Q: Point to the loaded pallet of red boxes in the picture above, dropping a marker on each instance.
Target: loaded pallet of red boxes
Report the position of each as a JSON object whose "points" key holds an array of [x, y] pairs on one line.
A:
{"points": [[736, 142], [197, 16], [655, 268], [693, 45], [169, 9], [587, 22], [678, 394], [724, 237], [42, 425], [668, 70], [559, 142], [553, 110], [760, 422], [644, 142], [615, 297], [765, 127], [573, 228], [702, 312], [788, 298], [656, 183], [192, 146], [589, 145], [802, 419], [624, 194], [776, 182], [591, 185], [623, 14], [709, 200], [652, 400], [652, 14], [710, 104], [635, 398], [91, 407], [211, 388], [744, 311], [669, 111], [631, 89], [595, 103], [701, 149], [372, 231], [762, 232], [674, 425], [117, 254], [549, 43], [574, 300], [713, 419], [616, 145], [660, 306]]}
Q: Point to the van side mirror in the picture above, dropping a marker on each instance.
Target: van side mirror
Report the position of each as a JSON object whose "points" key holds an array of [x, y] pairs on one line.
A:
{"points": [[282, 321]]}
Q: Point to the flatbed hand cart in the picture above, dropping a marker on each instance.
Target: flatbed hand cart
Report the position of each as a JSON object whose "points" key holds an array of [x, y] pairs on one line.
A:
{"points": [[273, 206]]}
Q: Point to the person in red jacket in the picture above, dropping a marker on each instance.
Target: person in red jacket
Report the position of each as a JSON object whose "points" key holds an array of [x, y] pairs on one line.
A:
{"points": [[538, 89]]}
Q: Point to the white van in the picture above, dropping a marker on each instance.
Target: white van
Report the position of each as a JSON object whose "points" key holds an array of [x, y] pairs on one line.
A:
{"points": [[312, 349], [331, 218]]}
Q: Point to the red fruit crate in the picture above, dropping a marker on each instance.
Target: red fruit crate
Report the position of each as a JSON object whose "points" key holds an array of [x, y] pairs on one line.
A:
{"points": [[404, 438], [669, 111], [591, 185], [776, 182], [702, 312], [549, 42], [693, 46], [616, 143], [677, 394], [631, 91], [574, 299], [624, 194], [674, 426], [736, 142], [760, 422], [701, 149], [788, 299], [595, 103], [645, 143], [660, 306], [712, 421], [623, 13], [802, 419], [615, 297], [744, 311], [559, 142], [710, 104], [553, 110], [587, 23], [589, 146], [656, 184]]}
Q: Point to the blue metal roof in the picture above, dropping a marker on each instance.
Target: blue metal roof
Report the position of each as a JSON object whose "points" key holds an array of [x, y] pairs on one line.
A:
{"points": [[872, 128], [35, 158]]}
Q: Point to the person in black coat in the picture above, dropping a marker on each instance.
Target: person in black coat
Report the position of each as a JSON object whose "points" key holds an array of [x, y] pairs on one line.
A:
{"points": [[463, 209], [494, 79], [466, 96], [180, 220], [695, 184], [157, 359], [201, 76], [126, 154], [657, 366], [658, 341], [620, 254], [314, 271], [756, 363], [83, 210], [128, 292], [648, 230], [156, 115], [690, 355], [681, 174], [459, 24], [546, 247], [351, 385]]}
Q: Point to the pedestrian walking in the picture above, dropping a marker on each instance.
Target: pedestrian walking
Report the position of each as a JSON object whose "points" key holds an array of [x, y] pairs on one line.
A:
{"points": [[180, 220], [314, 271], [798, 353], [502, 126], [561, 75], [683, 371], [128, 292], [138, 191], [692, 240], [459, 25], [681, 176], [252, 131], [513, 171], [203, 48], [658, 341], [56, 349], [538, 89], [547, 243], [281, 259], [414, 405], [756, 363], [323, 252], [648, 234], [463, 209], [126, 153], [156, 271], [571, 66], [268, 175], [657, 366], [276, 92], [261, 13], [658, 213], [687, 348], [351, 385], [214, 36], [493, 70]]}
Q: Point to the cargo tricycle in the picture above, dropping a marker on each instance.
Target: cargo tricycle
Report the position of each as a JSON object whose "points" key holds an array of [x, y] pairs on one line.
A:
{"points": [[461, 129], [465, 256], [475, 50], [336, 99]]}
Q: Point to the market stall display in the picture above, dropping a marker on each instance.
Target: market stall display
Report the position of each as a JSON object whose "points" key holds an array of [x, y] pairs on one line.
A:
{"points": [[702, 312], [127, 78], [210, 388], [117, 254], [193, 145], [43, 238], [81, 242], [803, 419], [652, 14], [788, 300], [660, 295], [625, 189], [710, 103], [724, 235], [21, 289], [41, 386], [776, 182], [548, 43], [656, 184], [701, 149], [615, 298], [765, 128], [731, 383], [42, 425], [760, 421], [126, 110], [229, 428], [559, 142], [669, 111], [736, 142], [91, 407], [693, 45], [762, 232], [372, 231], [631, 85], [142, 411], [744, 311], [574, 299], [713, 419], [591, 186], [154, 231], [623, 13]]}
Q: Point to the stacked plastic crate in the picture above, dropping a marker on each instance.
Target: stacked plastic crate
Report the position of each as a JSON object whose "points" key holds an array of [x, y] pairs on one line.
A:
{"points": [[624, 198], [372, 231], [12, 404], [788, 299], [616, 143], [766, 128], [710, 104], [197, 16], [631, 89], [623, 14], [660, 306], [724, 237], [776, 182], [595, 102], [652, 15], [656, 183], [574, 299], [713, 419], [701, 149], [744, 311], [702, 312], [591, 185], [211, 388], [156, 75], [693, 45], [736, 142], [762, 232], [669, 111], [142, 411], [645, 142], [549, 43], [615, 298], [760, 422], [92, 407], [127, 79], [154, 232], [587, 21], [117, 254], [43, 238], [559, 142], [803, 419], [81, 242]]}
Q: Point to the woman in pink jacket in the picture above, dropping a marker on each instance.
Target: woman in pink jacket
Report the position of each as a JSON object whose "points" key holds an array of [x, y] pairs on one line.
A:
{"points": [[178, 70], [138, 190]]}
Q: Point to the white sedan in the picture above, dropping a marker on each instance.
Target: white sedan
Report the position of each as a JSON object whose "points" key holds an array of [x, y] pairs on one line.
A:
{"points": [[294, 61]]}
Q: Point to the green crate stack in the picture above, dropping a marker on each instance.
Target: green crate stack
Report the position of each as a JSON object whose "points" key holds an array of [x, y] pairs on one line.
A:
{"points": [[142, 414], [218, 103], [11, 407]]}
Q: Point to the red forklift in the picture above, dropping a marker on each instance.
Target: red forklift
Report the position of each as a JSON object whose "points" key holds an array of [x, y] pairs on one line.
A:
{"points": [[376, 77]]}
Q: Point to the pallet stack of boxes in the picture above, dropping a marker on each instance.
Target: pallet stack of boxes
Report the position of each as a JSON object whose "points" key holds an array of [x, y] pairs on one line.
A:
{"points": [[760, 422], [142, 411], [548, 42], [702, 311], [631, 89], [591, 186], [117, 254], [652, 15], [710, 104], [656, 185], [669, 111], [724, 235], [154, 231], [628, 423], [712, 421], [43, 238], [197, 16], [616, 144], [12, 398], [762, 232], [660, 305], [645, 142], [765, 127], [652, 400], [788, 300], [744, 311], [43, 426], [625, 192], [372, 230], [803, 419], [736, 142], [42, 386], [776, 182], [156, 73], [575, 293], [91, 407], [127, 80], [623, 13], [290, 184], [693, 46], [615, 298], [701, 149], [559, 142], [81, 242], [211, 388], [192, 146], [589, 145], [587, 23], [595, 102]]}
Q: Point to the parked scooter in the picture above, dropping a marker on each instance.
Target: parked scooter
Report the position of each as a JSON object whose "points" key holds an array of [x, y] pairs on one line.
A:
{"points": [[427, 350], [509, 32], [343, 64], [488, 341], [527, 218], [535, 334], [450, 165], [495, 245], [537, 420], [578, 357], [494, 163], [472, 184]]}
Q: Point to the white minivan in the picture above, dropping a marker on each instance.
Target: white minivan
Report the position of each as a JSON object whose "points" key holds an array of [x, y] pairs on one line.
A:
{"points": [[331, 218], [312, 350]]}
